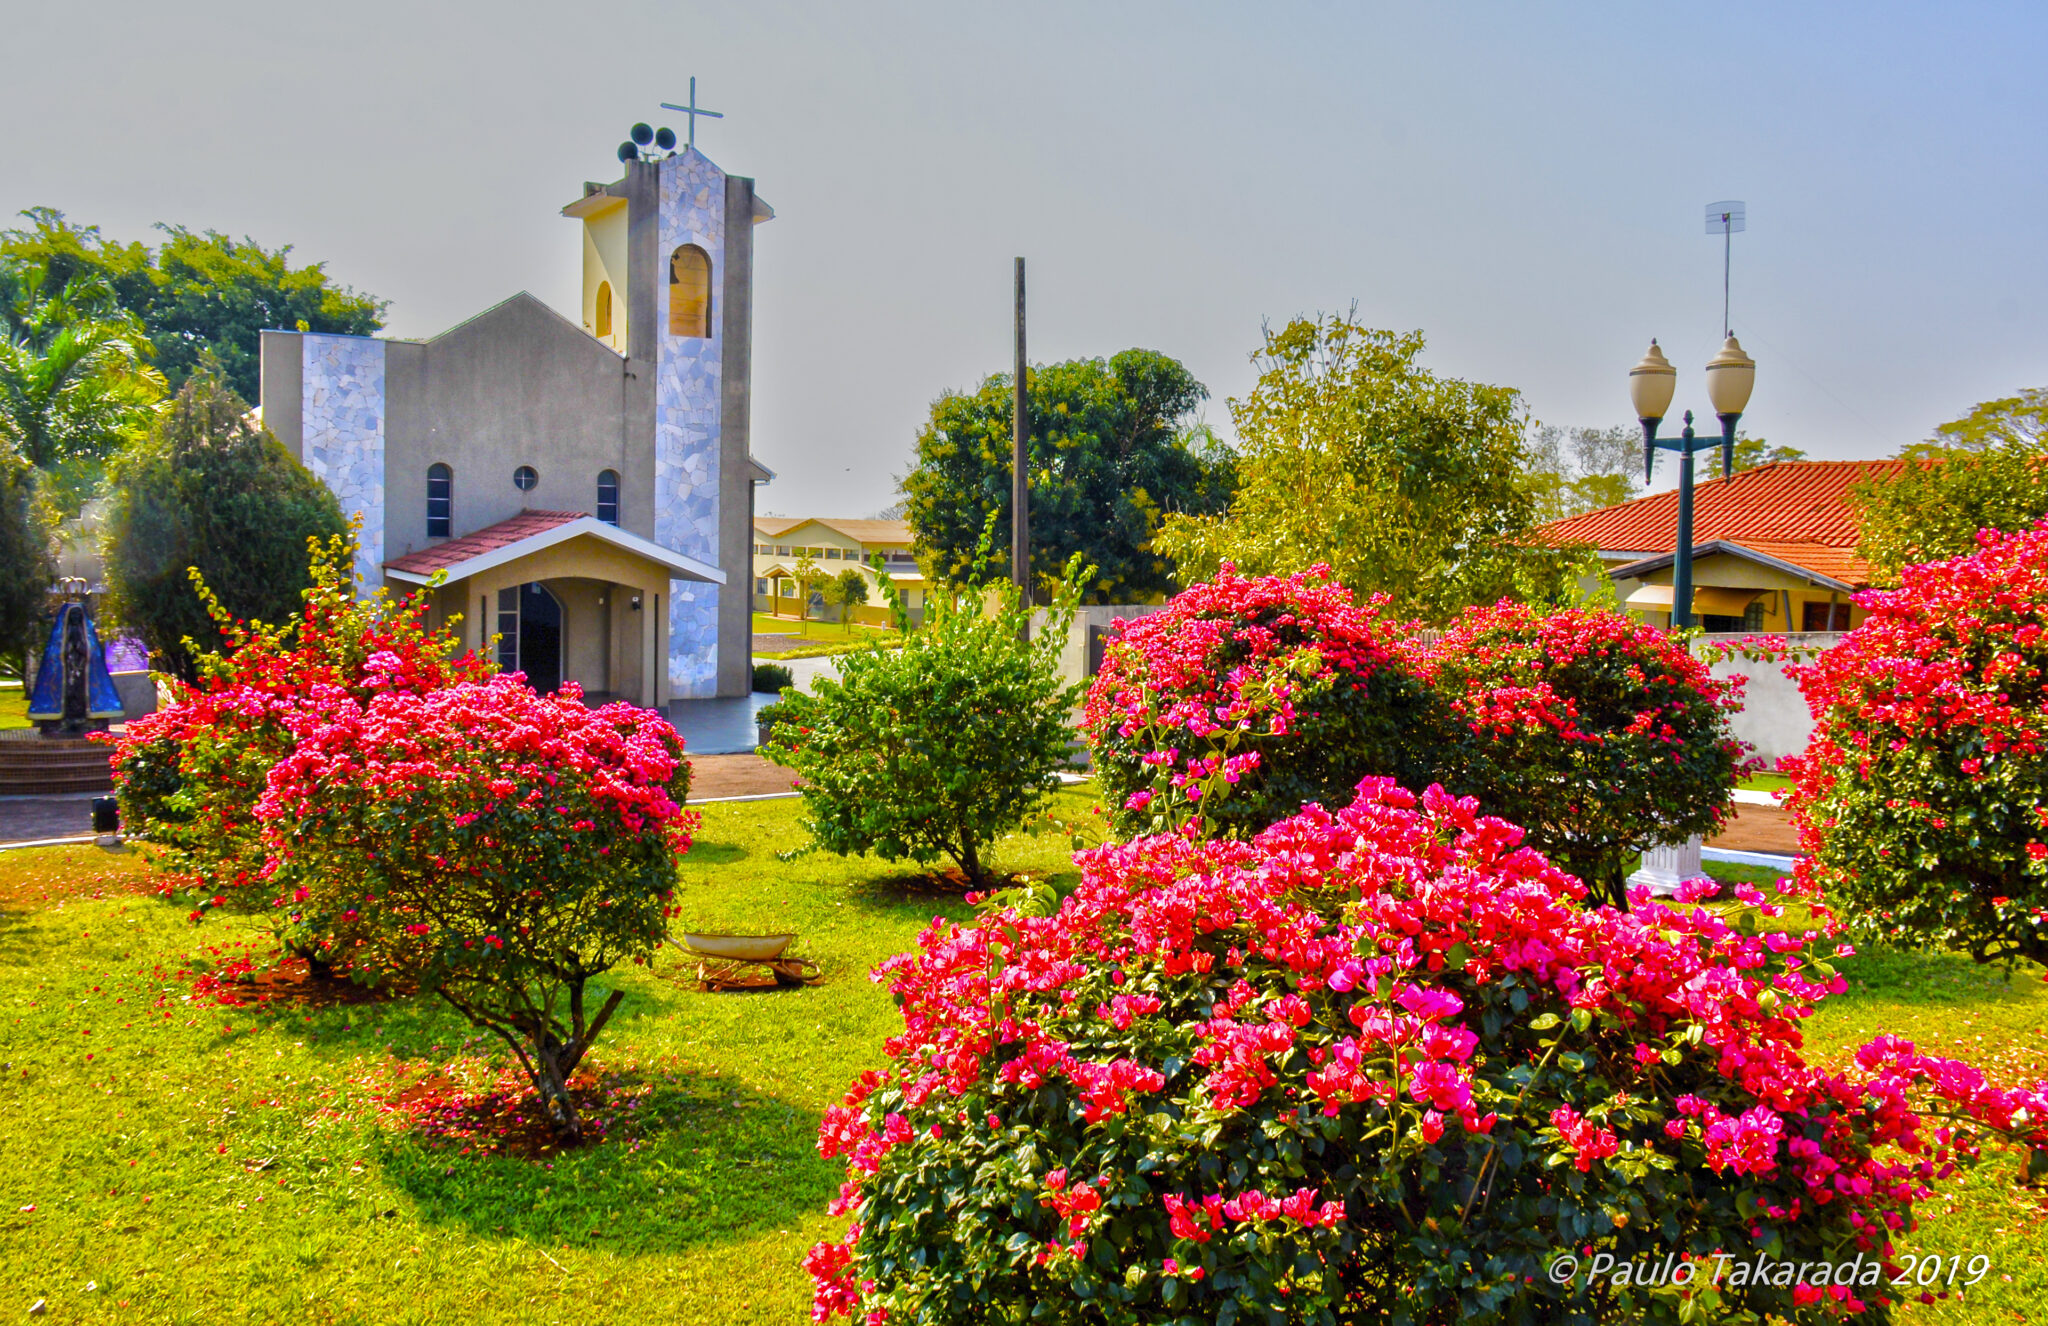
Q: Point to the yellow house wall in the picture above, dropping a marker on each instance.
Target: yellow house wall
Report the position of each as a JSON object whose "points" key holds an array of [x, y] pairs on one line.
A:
{"points": [[594, 582], [604, 260], [1723, 571]]}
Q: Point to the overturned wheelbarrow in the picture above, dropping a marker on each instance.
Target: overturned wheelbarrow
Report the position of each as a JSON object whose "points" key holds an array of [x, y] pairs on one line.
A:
{"points": [[748, 962]]}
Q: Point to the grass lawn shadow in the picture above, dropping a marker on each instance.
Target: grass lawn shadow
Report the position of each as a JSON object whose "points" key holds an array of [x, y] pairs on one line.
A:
{"points": [[1880, 974], [686, 1159]]}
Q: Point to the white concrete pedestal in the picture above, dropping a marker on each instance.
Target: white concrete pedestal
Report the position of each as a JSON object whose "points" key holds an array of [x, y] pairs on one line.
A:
{"points": [[1665, 868]]}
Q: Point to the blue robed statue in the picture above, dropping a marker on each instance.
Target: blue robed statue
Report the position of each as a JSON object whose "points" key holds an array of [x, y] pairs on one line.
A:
{"points": [[73, 688]]}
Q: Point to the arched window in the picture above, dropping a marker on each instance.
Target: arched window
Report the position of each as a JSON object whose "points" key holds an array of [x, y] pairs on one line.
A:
{"points": [[608, 497], [604, 309], [440, 501], [689, 292]]}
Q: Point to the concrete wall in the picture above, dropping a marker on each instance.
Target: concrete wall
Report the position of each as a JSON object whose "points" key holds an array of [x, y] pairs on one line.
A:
{"points": [[1774, 718], [517, 385]]}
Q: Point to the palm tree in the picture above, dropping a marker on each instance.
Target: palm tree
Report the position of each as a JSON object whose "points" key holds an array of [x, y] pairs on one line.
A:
{"points": [[75, 381]]}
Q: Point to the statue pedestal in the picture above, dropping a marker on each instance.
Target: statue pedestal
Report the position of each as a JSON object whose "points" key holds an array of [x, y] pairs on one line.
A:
{"points": [[1665, 868]]}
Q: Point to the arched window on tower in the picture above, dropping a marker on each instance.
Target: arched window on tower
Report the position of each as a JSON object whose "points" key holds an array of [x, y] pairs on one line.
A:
{"points": [[689, 292], [608, 497], [440, 501], [604, 310]]}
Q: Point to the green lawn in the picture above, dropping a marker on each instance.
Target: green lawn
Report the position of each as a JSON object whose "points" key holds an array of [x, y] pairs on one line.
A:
{"points": [[13, 705], [1765, 782], [189, 1162], [830, 632]]}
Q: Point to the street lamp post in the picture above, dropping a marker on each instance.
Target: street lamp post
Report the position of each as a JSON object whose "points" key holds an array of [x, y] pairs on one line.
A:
{"points": [[1651, 384]]}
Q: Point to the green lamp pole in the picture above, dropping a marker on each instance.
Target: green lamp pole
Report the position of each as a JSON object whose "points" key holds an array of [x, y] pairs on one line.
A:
{"points": [[1651, 384]]}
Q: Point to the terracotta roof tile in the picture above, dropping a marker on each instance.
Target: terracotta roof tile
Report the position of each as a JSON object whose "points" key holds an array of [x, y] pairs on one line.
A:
{"points": [[860, 531], [1796, 511], [488, 539]]}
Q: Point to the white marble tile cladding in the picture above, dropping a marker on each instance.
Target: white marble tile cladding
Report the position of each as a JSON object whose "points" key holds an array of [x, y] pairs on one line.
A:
{"points": [[342, 389], [686, 424]]}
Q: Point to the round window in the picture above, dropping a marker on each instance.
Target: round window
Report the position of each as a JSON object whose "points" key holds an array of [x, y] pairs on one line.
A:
{"points": [[525, 477]]}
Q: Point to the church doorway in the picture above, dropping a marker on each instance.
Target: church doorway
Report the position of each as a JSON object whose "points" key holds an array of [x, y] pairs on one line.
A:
{"points": [[530, 635]]}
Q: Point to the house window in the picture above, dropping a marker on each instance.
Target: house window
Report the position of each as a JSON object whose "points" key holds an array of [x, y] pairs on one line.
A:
{"points": [[608, 497], [831, 554], [440, 501], [525, 478], [508, 629], [782, 550], [689, 292], [604, 309], [1824, 617], [761, 584]]}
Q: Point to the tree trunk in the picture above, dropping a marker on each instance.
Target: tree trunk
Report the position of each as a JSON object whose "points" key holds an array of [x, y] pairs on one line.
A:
{"points": [[551, 1082]]}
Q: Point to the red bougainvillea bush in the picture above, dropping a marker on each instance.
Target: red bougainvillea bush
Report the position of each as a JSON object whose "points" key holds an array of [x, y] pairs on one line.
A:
{"points": [[1247, 698], [494, 846], [1599, 735], [1376, 1066], [189, 774], [1923, 795]]}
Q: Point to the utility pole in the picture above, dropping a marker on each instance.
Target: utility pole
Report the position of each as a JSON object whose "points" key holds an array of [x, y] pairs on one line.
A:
{"points": [[1020, 467]]}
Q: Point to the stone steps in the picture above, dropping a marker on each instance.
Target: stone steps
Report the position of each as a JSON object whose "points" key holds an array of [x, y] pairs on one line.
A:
{"points": [[44, 768]]}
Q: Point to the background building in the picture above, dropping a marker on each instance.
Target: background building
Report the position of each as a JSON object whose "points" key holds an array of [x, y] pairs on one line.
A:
{"points": [[586, 490], [833, 544]]}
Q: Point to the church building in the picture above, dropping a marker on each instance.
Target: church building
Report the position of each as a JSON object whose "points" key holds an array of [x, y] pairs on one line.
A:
{"points": [[585, 489]]}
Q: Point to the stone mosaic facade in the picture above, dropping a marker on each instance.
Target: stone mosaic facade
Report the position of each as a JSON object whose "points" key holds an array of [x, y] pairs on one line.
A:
{"points": [[686, 424], [342, 393]]}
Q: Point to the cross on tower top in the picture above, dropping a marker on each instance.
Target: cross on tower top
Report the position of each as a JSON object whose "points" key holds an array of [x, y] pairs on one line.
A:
{"points": [[693, 111]]}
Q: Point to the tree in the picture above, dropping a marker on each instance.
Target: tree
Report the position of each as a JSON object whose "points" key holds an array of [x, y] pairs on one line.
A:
{"points": [[27, 562], [499, 848], [1377, 1065], [845, 590], [1582, 469], [1353, 455], [1922, 797], [1986, 470], [189, 775], [1751, 452], [1246, 699], [208, 489], [1600, 736], [200, 292], [937, 748], [1111, 456], [75, 383]]}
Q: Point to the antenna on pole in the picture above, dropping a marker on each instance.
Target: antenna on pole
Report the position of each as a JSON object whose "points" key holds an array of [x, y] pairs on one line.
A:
{"points": [[1726, 219]]}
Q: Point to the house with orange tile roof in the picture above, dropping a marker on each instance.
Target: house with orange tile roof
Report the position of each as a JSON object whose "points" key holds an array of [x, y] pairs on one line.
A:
{"points": [[1774, 548], [833, 543]]}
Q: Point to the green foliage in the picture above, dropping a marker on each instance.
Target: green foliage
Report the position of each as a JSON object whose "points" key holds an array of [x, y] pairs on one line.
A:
{"points": [[771, 678], [1751, 452], [1111, 456], [1404, 482], [208, 489], [1599, 736], [75, 383], [1582, 469], [843, 592], [935, 748], [27, 563], [200, 292], [1986, 470], [1922, 796]]}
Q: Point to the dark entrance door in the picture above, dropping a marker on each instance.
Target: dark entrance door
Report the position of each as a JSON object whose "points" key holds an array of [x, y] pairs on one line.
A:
{"points": [[540, 638]]}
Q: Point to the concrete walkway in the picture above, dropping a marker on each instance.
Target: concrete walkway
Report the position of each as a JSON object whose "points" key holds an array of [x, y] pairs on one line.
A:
{"points": [[29, 819]]}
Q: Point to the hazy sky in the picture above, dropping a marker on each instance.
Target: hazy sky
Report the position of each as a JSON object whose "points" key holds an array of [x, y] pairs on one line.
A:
{"points": [[1525, 183]]}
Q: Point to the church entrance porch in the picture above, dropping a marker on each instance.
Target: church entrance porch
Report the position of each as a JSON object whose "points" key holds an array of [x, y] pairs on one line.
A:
{"points": [[561, 597]]}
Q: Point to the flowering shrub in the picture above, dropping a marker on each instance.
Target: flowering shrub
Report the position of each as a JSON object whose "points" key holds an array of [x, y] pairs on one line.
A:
{"points": [[1248, 698], [189, 775], [497, 847], [1600, 736], [1380, 1065], [1923, 795], [936, 748]]}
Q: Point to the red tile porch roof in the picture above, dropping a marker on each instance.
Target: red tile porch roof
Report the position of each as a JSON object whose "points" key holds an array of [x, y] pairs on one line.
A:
{"points": [[488, 539], [1796, 511]]}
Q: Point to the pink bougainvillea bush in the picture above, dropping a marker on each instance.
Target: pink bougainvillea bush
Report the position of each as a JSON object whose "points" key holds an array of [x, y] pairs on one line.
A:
{"points": [[1599, 735], [189, 774], [1247, 698], [496, 847], [1923, 795], [1381, 1065]]}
